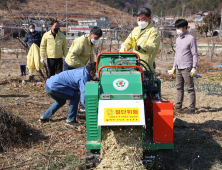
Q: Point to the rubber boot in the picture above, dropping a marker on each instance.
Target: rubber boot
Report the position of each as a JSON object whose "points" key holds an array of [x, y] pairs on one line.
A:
{"points": [[24, 70], [21, 68]]}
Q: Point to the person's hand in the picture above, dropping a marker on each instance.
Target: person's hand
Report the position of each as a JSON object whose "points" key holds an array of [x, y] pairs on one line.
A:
{"points": [[134, 44], [172, 71], [193, 72], [123, 49], [42, 61]]}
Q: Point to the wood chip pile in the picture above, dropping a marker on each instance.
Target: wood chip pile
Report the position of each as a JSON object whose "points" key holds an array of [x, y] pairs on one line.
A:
{"points": [[121, 148], [14, 132]]}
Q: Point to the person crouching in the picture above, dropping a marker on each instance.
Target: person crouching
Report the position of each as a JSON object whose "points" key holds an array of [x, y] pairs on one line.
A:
{"points": [[66, 86]]}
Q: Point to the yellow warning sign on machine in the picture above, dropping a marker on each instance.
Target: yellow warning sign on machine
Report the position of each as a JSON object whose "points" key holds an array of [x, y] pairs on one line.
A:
{"points": [[112, 115]]}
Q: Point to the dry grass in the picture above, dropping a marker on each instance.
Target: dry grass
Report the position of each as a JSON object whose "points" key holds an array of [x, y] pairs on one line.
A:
{"points": [[85, 7], [28, 101], [205, 66], [198, 147]]}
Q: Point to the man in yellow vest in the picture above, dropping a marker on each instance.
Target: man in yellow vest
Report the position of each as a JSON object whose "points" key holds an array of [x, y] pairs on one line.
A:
{"points": [[144, 39], [82, 50], [54, 43]]}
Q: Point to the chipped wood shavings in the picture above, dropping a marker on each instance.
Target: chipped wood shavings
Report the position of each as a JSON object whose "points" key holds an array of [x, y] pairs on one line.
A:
{"points": [[121, 148]]}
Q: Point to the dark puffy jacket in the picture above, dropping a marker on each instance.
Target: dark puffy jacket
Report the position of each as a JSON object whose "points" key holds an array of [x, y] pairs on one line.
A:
{"points": [[33, 38]]}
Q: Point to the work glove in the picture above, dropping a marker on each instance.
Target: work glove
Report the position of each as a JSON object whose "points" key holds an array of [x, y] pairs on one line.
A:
{"points": [[123, 49], [42, 61], [134, 44], [172, 71], [193, 72], [95, 78]]}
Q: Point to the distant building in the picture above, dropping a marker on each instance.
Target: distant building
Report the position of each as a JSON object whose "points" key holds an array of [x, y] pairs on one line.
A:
{"points": [[198, 18], [169, 19], [76, 30], [201, 14], [84, 26], [38, 27], [102, 22], [205, 13], [213, 12]]}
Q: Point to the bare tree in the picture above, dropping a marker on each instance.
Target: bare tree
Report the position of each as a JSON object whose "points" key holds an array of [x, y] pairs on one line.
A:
{"points": [[212, 22], [168, 40]]}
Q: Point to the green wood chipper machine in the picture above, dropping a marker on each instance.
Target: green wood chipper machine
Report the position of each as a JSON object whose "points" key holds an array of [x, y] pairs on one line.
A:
{"points": [[129, 94]]}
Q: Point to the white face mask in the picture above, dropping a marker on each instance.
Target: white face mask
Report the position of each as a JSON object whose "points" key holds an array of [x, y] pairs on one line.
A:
{"points": [[143, 25], [32, 30], [179, 32], [94, 41]]}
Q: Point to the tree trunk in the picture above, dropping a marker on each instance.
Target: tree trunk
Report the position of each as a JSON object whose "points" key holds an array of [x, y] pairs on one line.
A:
{"points": [[212, 48], [110, 47], [161, 45], [101, 46], [208, 45]]}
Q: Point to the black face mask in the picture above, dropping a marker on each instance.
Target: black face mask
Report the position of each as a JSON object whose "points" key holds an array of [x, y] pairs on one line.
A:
{"points": [[56, 30]]}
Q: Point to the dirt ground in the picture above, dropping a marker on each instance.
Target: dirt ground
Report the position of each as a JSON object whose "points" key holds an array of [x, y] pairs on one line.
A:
{"points": [[197, 146]]}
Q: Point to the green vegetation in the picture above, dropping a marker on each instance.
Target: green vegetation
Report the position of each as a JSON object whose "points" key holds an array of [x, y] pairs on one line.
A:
{"points": [[191, 6], [3, 4], [127, 6], [197, 5]]}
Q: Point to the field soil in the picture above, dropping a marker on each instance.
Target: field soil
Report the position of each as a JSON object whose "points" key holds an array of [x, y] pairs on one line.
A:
{"points": [[197, 145]]}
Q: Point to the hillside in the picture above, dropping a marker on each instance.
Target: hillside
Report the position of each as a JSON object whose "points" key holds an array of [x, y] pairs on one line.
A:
{"points": [[117, 9], [191, 6], [124, 5], [85, 7]]}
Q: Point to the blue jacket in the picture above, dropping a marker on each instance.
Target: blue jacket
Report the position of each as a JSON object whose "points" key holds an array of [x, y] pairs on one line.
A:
{"points": [[69, 81], [33, 38]]}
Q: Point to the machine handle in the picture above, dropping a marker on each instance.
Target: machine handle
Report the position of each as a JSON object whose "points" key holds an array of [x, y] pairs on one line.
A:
{"points": [[98, 57], [135, 66]]}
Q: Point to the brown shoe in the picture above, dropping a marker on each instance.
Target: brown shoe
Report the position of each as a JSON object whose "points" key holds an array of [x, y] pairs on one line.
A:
{"points": [[190, 111]]}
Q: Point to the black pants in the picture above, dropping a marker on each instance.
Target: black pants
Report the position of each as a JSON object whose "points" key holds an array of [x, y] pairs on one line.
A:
{"points": [[67, 67], [54, 65]]}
